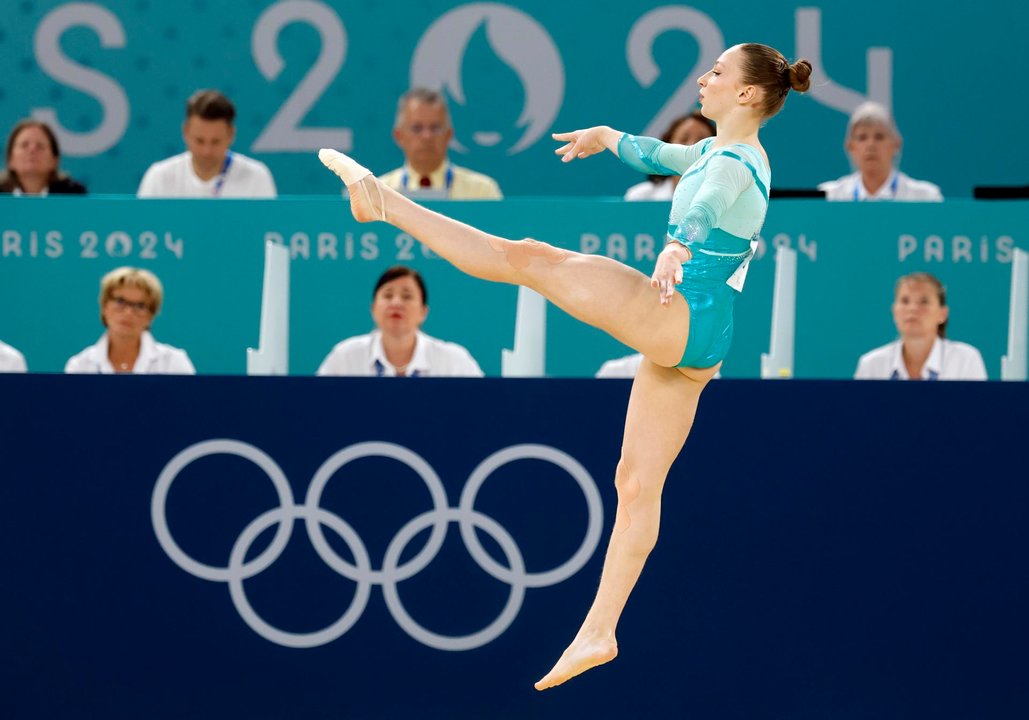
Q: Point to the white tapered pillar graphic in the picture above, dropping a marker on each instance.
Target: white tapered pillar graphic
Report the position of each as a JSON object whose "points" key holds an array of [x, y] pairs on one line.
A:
{"points": [[1013, 365], [778, 361], [528, 358], [272, 355]]}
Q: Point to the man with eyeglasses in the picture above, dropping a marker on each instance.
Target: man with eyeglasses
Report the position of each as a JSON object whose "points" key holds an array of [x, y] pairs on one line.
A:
{"points": [[423, 131]]}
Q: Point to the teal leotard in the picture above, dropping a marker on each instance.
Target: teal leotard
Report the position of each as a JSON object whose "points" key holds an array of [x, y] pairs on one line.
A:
{"points": [[717, 210]]}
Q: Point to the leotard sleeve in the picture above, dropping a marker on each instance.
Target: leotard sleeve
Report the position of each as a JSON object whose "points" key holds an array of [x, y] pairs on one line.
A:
{"points": [[725, 179], [654, 157]]}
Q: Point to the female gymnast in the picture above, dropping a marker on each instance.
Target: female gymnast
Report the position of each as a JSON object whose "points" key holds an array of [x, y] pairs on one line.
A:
{"points": [[680, 318]]}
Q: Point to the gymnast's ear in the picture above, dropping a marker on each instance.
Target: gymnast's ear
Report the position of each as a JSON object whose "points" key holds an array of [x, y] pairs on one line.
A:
{"points": [[746, 94]]}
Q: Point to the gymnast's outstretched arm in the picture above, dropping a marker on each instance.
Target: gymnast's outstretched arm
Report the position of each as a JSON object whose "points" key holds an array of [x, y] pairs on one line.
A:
{"points": [[644, 154]]}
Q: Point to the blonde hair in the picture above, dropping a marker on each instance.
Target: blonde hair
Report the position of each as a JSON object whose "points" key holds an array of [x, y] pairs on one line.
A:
{"points": [[131, 277]]}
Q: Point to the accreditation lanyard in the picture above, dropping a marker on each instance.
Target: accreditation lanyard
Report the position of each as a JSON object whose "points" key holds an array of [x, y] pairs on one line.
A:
{"points": [[893, 187], [380, 369], [216, 191], [448, 180], [932, 374]]}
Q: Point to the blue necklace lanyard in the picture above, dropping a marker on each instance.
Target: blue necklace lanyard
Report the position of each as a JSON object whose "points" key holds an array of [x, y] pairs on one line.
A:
{"points": [[933, 375], [893, 187], [448, 179], [220, 182], [380, 369]]}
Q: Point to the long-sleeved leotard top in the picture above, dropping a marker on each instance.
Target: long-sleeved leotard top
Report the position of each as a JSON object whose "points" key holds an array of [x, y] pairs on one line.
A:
{"points": [[718, 209]]}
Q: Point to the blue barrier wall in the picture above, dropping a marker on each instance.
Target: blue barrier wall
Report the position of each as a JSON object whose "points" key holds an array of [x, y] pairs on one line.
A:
{"points": [[113, 76], [210, 255], [829, 550]]}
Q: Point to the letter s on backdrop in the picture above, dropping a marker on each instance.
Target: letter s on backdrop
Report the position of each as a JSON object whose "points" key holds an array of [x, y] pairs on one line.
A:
{"points": [[57, 65]]}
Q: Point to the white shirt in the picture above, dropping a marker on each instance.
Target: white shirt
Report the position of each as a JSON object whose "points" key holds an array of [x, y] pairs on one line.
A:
{"points": [[364, 356], [647, 190], [11, 360], [154, 359], [897, 187], [948, 360], [175, 178]]}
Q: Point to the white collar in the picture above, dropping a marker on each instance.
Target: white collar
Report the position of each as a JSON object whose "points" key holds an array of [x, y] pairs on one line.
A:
{"points": [[933, 364], [18, 192], [887, 191], [379, 365], [147, 353]]}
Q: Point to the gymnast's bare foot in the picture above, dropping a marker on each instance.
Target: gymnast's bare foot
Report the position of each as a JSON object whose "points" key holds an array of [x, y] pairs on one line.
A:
{"points": [[367, 196], [584, 653]]}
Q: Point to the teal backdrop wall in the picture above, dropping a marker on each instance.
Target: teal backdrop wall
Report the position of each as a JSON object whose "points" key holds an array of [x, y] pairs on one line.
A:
{"points": [[209, 255], [113, 77]]}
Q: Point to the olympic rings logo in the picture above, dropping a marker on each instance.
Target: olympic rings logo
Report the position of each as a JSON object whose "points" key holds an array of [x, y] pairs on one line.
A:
{"points": [[360, 571]]}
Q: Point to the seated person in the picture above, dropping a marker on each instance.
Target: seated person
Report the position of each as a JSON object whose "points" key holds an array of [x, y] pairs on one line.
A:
{"points": [[11, 360], [920, 313], [873, 145], [130, 298], [423, 131], [208, 168], [33, 159], [397, 347], [685, 130]]}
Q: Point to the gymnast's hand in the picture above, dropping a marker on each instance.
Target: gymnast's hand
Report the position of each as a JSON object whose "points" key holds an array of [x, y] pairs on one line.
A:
{"points": [[583, 143], [668, 270]]}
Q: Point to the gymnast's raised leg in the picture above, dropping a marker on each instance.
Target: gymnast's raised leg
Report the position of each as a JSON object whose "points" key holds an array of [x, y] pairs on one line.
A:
{"points": [[614, 298], [597, 290]]}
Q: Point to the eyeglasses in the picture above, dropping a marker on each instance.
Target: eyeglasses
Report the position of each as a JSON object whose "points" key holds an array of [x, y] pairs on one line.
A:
{"points": [[435, 130], [137, 307]]}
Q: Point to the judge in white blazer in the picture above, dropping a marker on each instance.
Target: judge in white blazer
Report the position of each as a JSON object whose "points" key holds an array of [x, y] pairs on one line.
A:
{"points": [[873, 145], [397, 347], [130, 298], [923, 351]]}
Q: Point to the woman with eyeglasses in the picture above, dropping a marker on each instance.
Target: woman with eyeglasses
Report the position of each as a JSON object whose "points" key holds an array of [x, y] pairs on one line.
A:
{"points": [[680, 318], [130, 299]]}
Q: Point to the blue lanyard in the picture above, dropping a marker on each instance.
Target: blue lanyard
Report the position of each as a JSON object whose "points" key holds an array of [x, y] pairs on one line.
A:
{"points": [[221, 176], [448, 179], [933, 375], [893, 187], [380, 369]]}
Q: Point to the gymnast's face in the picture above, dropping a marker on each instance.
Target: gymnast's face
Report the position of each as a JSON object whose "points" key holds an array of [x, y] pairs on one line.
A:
{"points": [[917, 311], [721, 87], [398, 307]]}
